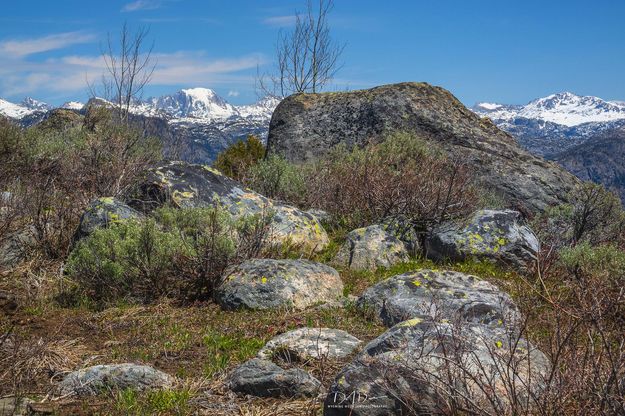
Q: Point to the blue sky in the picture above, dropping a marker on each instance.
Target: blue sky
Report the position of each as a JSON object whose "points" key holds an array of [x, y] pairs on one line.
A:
{"points": [[504, 51]]}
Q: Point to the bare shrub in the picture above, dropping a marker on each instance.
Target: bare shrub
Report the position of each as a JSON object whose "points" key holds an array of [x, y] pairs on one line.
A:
{"points": [[402, 176]]}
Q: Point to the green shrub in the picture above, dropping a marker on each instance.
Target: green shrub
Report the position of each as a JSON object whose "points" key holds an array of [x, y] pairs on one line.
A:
{"points": [[183, 255], [276, 178], [605, 261], [237, 159], [130, 258]]}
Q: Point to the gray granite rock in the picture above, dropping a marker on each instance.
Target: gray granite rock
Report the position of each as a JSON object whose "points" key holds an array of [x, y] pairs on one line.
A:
{"points": [[499, 236], [441, 295], [274, 284], [104, 378], [426, 368], [262, 378], [304, 344]]}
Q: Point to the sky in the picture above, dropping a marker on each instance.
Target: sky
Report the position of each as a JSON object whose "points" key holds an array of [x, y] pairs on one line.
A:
{"points": [[506, 51]]}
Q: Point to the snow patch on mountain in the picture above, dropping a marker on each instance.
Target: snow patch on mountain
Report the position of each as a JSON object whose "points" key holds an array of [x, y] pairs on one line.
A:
{"points": [[566, 109], [18, 111], [73, 105]]}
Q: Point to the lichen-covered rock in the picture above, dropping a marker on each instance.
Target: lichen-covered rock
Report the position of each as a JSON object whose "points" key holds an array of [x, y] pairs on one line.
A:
{"points": [[101, 213], [433, 368], [500, 236], [401, 227], [370, 248], [191, 185], [308, 126], [104, 378], [262, 378], [274, 284], [441, 295], [15, 247], [310, 343]]}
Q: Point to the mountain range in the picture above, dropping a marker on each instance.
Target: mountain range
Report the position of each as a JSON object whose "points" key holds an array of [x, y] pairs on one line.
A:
{"points": [[197, 118], [553, 124]]}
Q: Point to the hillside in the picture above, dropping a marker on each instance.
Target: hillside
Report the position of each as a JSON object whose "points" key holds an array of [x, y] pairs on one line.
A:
{"points": [[600, 159]]}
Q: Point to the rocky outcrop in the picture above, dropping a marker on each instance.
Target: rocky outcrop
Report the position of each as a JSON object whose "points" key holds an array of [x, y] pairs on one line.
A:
{"points": [[305, 344], [439, 295], [274, 284], [189, 186], [370, 248], [430, 368], [262, 378], [101, 213], [307, 126], [101, 379], [499, 236]]}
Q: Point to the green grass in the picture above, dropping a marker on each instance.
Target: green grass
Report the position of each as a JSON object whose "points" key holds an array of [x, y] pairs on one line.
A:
{"points": [[157, 402], [225, 349]]}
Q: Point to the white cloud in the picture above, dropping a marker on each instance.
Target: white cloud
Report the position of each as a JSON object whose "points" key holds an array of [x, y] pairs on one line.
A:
{"points": [[233, 93], [280, 21], [141, 5], [70, 74], [25, 47]]}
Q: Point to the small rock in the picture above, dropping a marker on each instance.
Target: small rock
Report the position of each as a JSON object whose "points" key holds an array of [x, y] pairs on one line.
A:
{"points": [[262, 378], [440, 295], [310, 343], [274, 284], [499, 236], [371, 248], [101, 213], [321, 215], [15, 247], [103, 378], [426, 367], [401, 227], [14, 406]]}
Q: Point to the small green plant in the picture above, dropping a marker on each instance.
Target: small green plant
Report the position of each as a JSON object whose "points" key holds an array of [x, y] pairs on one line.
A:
{"points": [[226, 349]]}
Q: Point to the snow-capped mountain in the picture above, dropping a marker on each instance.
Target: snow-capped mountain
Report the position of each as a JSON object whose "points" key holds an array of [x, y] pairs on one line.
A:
{"points": [[194, 103], [552, 124], [197, 119], [27, 107]]}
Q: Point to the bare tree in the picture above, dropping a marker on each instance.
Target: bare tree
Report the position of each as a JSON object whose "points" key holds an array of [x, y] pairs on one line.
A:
{"points": [[129, 68], [307, 56]]}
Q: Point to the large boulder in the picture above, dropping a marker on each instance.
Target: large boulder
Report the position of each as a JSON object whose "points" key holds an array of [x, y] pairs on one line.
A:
{"points": [[440, 295], [101, 213], [104, 378], [307, 126], [370, 248], [262, 378], [191, 185], [434, 368], [305, 344], [499, 236], [274, 284]]}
